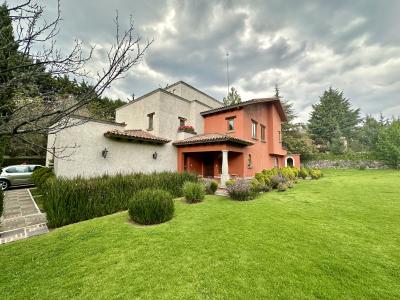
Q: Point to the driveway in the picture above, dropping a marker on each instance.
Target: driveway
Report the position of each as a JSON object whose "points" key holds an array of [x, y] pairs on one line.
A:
{"points": [[22, 217]]}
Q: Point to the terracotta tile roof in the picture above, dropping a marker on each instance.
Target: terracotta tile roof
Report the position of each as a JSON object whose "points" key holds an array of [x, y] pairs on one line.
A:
{"points": [[212, 138], [135, 135], [249, 102]]}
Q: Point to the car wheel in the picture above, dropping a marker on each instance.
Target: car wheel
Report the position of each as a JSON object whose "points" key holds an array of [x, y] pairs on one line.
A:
{"points": [[4, 185]]}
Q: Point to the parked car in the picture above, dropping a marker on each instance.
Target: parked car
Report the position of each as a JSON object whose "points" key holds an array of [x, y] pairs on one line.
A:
{"points": [[16, 175]]}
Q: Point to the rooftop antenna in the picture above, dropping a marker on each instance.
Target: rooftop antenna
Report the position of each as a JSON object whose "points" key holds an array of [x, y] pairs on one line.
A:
{"points": [[227, 68]]}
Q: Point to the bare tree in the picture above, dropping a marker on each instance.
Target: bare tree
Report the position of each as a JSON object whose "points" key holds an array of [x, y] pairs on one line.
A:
{"points": [[48, 112]]}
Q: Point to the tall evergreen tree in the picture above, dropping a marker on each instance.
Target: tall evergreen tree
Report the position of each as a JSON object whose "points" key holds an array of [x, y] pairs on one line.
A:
{"points": [[8, 59], [387, 148], [331, 113], [294, 138]]}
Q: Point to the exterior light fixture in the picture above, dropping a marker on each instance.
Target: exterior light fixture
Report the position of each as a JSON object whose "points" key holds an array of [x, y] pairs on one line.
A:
{"points": [[104, 152], [155, 155]]}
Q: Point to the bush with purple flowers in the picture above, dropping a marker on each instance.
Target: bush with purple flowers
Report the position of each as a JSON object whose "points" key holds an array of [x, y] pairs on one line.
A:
{"points": [[241, 190], [276, 180]]}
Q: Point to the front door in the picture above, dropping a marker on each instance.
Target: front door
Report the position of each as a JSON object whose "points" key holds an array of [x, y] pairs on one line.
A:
{"points": [[208, 162]]}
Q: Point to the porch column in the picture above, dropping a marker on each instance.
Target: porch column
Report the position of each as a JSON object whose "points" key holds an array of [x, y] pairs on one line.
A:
{"points": [[225, 168]]}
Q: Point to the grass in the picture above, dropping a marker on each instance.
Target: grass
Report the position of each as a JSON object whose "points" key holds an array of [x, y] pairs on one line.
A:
{"points": [[38, 198], [337, 237]]}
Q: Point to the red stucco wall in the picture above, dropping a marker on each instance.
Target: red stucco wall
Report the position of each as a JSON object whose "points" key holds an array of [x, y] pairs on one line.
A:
{"points": [[264, 114]]}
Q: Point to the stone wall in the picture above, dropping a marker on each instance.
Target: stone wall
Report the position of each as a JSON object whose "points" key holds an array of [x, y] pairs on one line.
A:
{"points": [[344, 164]]}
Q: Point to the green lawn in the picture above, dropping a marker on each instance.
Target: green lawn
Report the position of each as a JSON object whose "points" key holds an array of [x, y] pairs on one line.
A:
{"points": [[338, 237]]}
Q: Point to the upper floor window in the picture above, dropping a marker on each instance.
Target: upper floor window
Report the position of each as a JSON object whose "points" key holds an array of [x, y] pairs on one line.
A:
{"points": [[253, 129], [151, 117], [280, 136], [231, 123], [262, 133], [182, 121]]}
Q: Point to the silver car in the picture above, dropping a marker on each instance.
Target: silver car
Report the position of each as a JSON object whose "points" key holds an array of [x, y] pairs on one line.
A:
{"points": [[16, 175]]}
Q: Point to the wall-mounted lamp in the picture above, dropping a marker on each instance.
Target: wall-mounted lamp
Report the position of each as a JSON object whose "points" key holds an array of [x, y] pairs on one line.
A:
{"points": [[155, 155], [104, 152]]}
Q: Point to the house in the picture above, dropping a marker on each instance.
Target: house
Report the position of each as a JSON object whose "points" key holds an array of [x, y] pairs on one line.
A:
{"points": [[176, 129]]}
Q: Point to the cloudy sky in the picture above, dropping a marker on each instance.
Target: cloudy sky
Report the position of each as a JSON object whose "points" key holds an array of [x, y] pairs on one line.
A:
{"points": [[304, 46]]}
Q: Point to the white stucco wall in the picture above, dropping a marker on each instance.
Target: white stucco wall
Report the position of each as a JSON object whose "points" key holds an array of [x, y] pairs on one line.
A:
{"points": [[185, 91], [167, 109], [127, 157], [123, 157]]}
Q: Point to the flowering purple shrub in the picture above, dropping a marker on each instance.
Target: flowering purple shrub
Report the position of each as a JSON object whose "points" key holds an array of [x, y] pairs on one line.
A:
{"points": [[241, 190], [276, 180]]}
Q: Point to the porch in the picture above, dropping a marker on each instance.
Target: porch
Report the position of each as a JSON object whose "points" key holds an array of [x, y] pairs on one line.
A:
{"points": [[213, 156], [214, 164]]}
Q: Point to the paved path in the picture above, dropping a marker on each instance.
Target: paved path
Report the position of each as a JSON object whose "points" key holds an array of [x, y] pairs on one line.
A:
{"points": [[22, 217]]}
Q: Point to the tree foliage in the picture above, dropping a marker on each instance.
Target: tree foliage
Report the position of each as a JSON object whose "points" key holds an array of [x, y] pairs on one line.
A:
{"points": [[337, 145], [232, 98], [36, 94], [331, 113], [294, 136], [387, 146]]}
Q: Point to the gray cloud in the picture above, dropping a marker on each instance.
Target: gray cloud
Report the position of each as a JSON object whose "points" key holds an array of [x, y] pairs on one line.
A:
{"points": [[305, 46]]}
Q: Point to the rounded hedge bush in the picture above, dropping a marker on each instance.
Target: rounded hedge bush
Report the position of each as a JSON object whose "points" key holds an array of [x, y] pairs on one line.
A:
{"points": [[303, 173], [194, 192], [315, 174], [149, 207], [211, 186], [40, 176], [282, 187]]}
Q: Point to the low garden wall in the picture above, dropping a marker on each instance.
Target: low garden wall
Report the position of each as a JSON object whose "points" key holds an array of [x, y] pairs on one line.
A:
{"points": [[344, 164]]}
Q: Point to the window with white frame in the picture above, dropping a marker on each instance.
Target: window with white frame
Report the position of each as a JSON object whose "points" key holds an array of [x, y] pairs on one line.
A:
{"points": [[253, 129]]}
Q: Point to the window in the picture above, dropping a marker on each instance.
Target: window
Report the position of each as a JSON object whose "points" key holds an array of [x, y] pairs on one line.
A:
{"points": [[151, 117], [249, 162], [280, 136], [182, 121], [276, 162], [18, 169], [262, 133], [254, 129], [231, 123]]}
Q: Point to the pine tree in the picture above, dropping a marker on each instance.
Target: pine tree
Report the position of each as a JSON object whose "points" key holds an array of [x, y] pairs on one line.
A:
{"points": [[387, 147], [337, 145], [232, 98], [332, 112], [8, 59], [294, 138]]}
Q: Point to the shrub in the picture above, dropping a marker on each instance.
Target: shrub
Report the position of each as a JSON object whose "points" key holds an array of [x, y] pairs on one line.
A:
{"points": [[303, 173], [256, 185], [230, 182], [276, 180], [151, 207], [263, 181], [282, 187], [290, 184], [211, 186], [288, 173], [70, 201], [296, 172], [315, 174], [241, 190], [1, 202], [40, 176], [194, 192]]}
